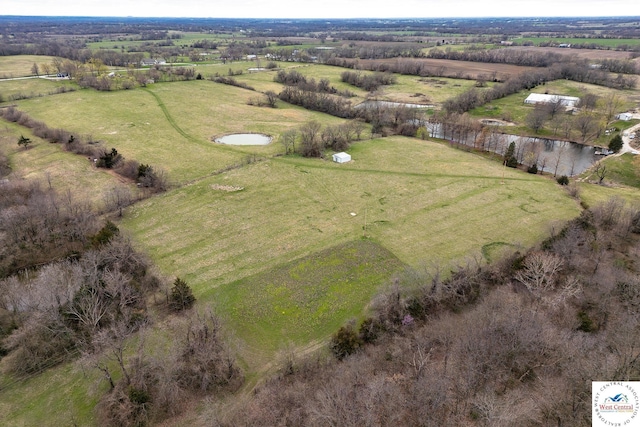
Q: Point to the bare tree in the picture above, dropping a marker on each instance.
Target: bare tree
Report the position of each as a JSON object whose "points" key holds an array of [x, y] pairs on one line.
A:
{"points": [[288, 140], [601, 171], [612, 103], [117, 199], [310, 143], [587, 126], [559, 155], [539, 271]]}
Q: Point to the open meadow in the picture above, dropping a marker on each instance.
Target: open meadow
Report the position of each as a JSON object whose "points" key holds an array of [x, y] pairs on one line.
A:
{"points": [[172, 125], [424, 202]]}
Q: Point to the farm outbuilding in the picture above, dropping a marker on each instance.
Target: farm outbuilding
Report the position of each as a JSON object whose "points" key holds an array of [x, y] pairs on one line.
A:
{"points": [[341, 157], [624, 116], [542, 98]]}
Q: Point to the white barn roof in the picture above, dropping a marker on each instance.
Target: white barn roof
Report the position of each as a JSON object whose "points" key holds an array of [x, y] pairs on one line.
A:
{"points": [[538, 98]]}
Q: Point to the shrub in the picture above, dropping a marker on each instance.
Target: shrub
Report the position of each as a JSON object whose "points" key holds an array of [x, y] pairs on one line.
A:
{"points": [[24, 142], [109, 159], [345, 342], [533, 169], [105, 234], [563, 180]]}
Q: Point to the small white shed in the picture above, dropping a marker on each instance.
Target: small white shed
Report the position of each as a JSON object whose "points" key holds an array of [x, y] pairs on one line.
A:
{"points": [[341, 157], [624, 116]]}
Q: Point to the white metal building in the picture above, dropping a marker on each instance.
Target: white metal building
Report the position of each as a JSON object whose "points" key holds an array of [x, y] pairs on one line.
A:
{"points": [[341, 157], [624, 116], [541, 98]]}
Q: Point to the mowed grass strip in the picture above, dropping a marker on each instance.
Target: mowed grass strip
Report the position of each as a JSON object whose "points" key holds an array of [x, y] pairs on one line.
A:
{"points": [[306, 299]]}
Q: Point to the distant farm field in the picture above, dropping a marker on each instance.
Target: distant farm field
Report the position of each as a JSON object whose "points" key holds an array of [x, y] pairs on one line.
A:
{"points": [[21, 65], [465, 69], [610, 43], [579, 53]]}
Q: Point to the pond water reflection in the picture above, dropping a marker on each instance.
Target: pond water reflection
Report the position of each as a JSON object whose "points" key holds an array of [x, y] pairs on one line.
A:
{"points": [[244, 139]]}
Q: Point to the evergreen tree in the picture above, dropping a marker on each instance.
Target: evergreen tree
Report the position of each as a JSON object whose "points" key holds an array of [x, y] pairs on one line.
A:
{"points": [[616, 143], [23, 141], [510, 158], [181, 297]]}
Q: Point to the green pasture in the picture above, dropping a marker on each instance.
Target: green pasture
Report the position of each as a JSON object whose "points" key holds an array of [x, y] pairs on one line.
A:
{"points": [[608, 43], [425, 90], [621, 170], [31, 88], [171, 125], [305, 300], [62, 396], [424, 202], [408, 89], [592, 194]]}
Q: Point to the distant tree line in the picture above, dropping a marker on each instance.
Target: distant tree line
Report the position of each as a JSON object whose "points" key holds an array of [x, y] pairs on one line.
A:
{"points": [[311, 139], [295, 78], [368, 82], [317, 101]]}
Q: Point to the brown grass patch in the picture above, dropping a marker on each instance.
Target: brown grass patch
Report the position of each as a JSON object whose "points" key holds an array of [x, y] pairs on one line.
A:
{"points": [[466, 69]]}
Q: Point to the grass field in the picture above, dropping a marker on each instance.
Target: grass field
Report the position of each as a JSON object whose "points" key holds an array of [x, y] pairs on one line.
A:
{"points": [[286, 248], [20, 65], [47, 163], [304, 301], [423, 202], [409, 89], [171, 125]]}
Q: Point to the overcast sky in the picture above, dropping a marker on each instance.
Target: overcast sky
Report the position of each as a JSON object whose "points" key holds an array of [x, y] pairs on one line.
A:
{"points": [[321, 8]]}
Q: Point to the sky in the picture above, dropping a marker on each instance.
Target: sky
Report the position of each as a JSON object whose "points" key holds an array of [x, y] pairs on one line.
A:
{"points": [[321, 8]]}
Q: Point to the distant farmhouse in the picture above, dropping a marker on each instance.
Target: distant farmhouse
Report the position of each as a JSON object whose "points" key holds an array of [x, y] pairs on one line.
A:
{"points": [[541, 98], [149, 62]]}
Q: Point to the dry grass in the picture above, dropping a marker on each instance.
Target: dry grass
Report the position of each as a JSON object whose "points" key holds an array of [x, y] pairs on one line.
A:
{"points": [[20, 65]]}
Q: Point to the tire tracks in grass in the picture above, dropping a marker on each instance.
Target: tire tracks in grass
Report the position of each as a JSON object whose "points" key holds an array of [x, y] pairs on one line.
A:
{"points": [[170, 118]]}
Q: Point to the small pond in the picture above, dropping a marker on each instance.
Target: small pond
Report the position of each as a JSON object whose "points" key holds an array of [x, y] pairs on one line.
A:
{"points": [[244, 139]]}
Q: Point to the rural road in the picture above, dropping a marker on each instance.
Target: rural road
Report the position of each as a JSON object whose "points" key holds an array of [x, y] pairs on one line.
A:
{"points": [[626, 140]]}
